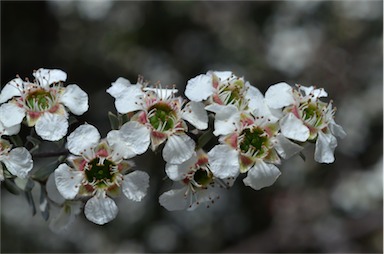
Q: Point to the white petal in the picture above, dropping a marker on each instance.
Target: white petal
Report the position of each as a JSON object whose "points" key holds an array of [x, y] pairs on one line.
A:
{"points": [[135, 136], [162, 93], [336, 129], [75, 99], [129, 99], [261, 175], [177, 172], [19, 162], [285, 147], [68, 181], [201, 196], [13, 88], [52, 191], [13, 130], [46, 77], [224, 161], [52, 127], [195, 113], [84, 137], [199, 88], [226, 120], [294, 128], [325, 147], [122, 148], [257, 104], [222, 75], [118, 87], [279, 95], [100, 209], [135, 185], [174, 200], [316, 92], [11, 114], [178, 149]]}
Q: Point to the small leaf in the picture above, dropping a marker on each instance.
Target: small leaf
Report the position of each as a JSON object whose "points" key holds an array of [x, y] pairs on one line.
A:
{"points": [[72, 119], [113, 120], [43, 173], [204, 138], [124, 118], [11, 186], [16, 140]]}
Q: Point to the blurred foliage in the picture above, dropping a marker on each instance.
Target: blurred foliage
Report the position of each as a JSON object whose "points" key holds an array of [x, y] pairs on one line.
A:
{"points": [[312, 208]]}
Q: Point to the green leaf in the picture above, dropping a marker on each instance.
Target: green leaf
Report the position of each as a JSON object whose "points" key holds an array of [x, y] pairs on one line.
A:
{"points": [[113, 120], [124, 118], [11, 186], [16, 140], [204, 138], [43, 173]]}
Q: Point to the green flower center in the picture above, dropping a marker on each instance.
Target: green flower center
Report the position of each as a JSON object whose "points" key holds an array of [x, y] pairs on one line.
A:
{"points": [[162, 116], [100, 172], [254, 140], [203, 177], [40, 100], [312, 113], [233, 93]]}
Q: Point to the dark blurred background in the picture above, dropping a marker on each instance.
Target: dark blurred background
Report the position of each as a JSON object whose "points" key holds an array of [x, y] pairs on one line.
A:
{"points": [[337, 45]]}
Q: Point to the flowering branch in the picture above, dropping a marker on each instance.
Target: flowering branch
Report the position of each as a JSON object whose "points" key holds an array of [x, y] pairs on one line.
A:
{"points": [[225, 127]]}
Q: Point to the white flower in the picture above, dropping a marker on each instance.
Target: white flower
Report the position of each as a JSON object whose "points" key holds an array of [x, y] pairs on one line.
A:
{"points": [[306, 117], [98, 169], [162, 114], [199, 184], [17, 161], [255, 147], [43, 102]]}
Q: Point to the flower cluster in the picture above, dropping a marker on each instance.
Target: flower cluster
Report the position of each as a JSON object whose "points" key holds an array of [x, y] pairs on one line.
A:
{"points": [[253, 133]]}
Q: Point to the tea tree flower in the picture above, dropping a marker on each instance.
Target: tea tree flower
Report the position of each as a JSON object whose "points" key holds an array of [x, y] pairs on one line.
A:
{"points": [[199, 184], [306, 117], [17, 161], [162, 114], [43, 103], [258, 146], [98, 170]]}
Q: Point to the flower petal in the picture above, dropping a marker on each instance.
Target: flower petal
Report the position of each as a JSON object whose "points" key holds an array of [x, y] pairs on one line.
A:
{"points": [[100, 209], [75, 99], [129, 99], [202, 196], [317, 93], [261, 175], [135, 185], [118, 87], [84, 137], [68, 181], [174, 200], [51, 127], [224, 161], [257, 104], [13, 88], [46, 77], [195, 113], [120, 147], [135, 136], [19, 162], [162, 93], [13, 130], [325, 147], [285, 147], [226, 120], [279, 95], [336, 129], [178, 172], [178, 148], [293, 128], [199, 88], [11, 114]]}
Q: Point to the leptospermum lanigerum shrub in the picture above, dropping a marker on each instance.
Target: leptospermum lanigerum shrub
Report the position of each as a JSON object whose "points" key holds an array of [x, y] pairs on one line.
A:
{"points": [[253, 134]]}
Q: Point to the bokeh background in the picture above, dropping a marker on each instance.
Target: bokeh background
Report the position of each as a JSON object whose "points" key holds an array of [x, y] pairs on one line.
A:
{"points": [[337, 45]]}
